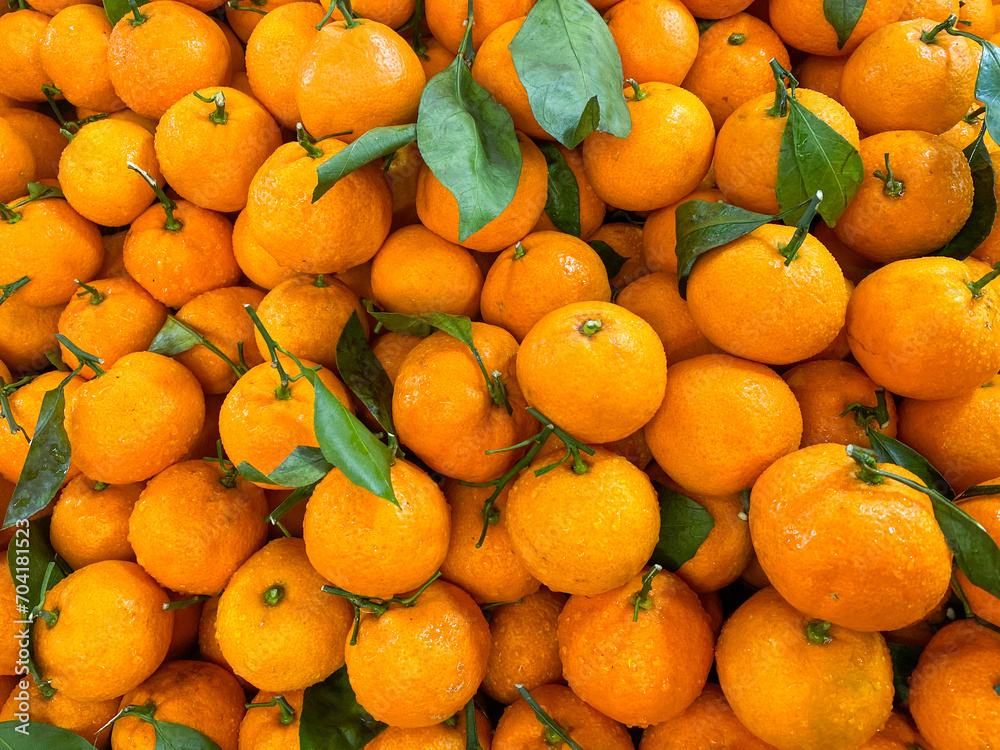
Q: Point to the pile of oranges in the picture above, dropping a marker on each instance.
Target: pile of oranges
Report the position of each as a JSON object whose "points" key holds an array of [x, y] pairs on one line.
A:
{"points": [[431, 374]]}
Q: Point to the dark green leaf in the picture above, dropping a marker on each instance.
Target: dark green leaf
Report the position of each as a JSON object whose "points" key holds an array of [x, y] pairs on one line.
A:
{"points": [[904, 661], [34, 735], [843, 15], [47, 462], [467, 140], [28, 557], [976, 554], [684, 525], [892, 451], [179, 737], [299, 495], [301, 467], [563, 204], [980, 490], [331, 718], [175, 338], [984, 203], [988, 86], [37, 191], [363, 373], [612, 260], [568, 63], [118, 9], [789, 189], [422, 325], [399, 323], [373, 144]]}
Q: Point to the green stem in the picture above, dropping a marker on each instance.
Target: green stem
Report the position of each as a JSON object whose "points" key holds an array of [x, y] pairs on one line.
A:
{"points": [[185, 603], [589, 327], [791, 251], [464, 49], [637, 93], [172, 225], [50, 618], [642, 599], [6, 412], [553, 730], [893, 187], [235, 5], [973, 117], [230, 474], [319, 282], [419, 46], [344, 6], [273, 595], [9, 289], [977, 287], [471, 730], [287, 712], [51, 92], [781, 93], [519, 250], [137, 17], [8, 214], [863, 415], [307, 141], [411, 600], [326, 16], [85, 358], [818, 632], [930, 36], [284, 390], [219, 116], [96, 297]]}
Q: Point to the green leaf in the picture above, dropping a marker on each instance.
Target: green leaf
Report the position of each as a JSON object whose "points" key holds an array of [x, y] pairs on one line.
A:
{"points": [[843, 15], [458, 326], [303, 466], [118, 9], [299, 495], [563, 204], [467, 140], [47, 462], [888, 450], [28, 557], [976, 554], [567, 61], [613, 262], [988, 84], [819, 159], [34, 735], [904, 661], [364, 375], [984, 203], [331, 718], [38, 191], [980, 490], [684, 525], [175, 338], [374, 144], [179, 737]]}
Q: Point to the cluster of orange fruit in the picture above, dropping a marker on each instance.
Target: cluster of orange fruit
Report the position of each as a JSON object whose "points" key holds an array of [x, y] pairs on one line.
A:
{"points": [[388, 376]]}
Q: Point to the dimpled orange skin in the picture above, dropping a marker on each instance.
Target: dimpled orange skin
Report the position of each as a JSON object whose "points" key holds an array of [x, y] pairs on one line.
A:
{"points": [[211, 164], [52, 245], [94, 176], [25, 405], [125, 321], [258, 265], [43, 136], [89, 525], [824, 390], [17, 163], [341, 230], [915, 328], [981, 17], [438, 209], [543, 272], [897, 734], [952, 696], [821, 73], [557, 363], [643, 671], [709, 722], [84, 719], [710, 9], [625, 239], [26, 334], [365, 544], [437, 737], [255, 637], [258, 427], [732, 64], [392, 13], [417, 666], [882, 79], [749, 143], [440, 393], [242, 21], [656, 39], [803, 25], [391, 348], [597, 542], [986, 510], [20, 36], [672, 135], [525, 650], [208, 642], [80, 33], [726, 551], [219, 316], [723, 421], [798, 695], [592, 208], [416, 271], [196, 694], [446, 19], [863, 556], [386, 80], [137, 419], [659, 233], [111, 634], [492, 573], [655, 299], [935, 203], [175, 51], [519, 729], [261, 728]]}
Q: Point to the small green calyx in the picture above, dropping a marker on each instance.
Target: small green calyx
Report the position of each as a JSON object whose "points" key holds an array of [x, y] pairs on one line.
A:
{"points": [[96, 297], [519, 250], [590, 327], [551, 737], [172, 224], [8, 289], [219, 116], [637, 93], [344, 6], [274, 595], [100, 486], [736, 39], [377, 607], [863, 415], [818, 632], [9, 215], [642, 599], [930, 36], [319, 282], [137, 18], [287, 712], [893, 187], [868, 471]]}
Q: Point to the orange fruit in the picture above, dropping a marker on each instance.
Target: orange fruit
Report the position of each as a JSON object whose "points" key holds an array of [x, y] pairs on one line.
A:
{"points": [[524, 650], [391, 349], [723, 421], [732, 67], [261, 728], [242, 19], [208, 641], [401, 175], [605, 535], [442, 736], [917, 327], [364, 544], [539, 274], [843, 689], [186, 620], [74, 54], [665, 155], [446, 19], [952, 691], [43, 137], [405, 679], [638, 669], [897, 734], [435, 58], [625, 239], [854, 266], [416, 272], [659, 234], [174, 51], [10, 651], [893, 100], [980, 15], [385, 75], [438, 209], [20, 37], [17, 162], [392, 13], [822, 73], [592, 208], [440, 392], [255, 262], [802, 24], [83, 718], [137, 419], [561, 352], [986, 510], [27, 333], [111, 631], [704, 8], [90, 521], [656, 39], [275, 626]]}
